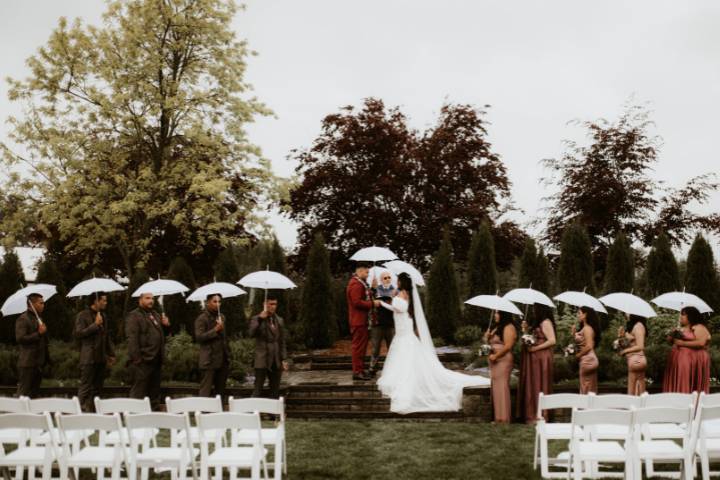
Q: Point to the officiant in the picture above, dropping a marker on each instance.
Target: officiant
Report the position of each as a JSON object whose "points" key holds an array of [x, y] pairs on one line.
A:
{"points": [[383, 327]]}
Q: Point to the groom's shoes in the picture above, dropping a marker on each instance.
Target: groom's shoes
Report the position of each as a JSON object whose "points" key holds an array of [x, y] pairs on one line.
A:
{"points": [[372, 372]]}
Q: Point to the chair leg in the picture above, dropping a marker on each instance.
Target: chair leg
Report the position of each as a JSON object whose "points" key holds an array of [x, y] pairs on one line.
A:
{"points": [[47, 470], [277, 461], [284, 444], [218, 473], [144, 473], [577, 468], [31, 473], [705, 464], [19, 472], [544, 461], [535, 452]]}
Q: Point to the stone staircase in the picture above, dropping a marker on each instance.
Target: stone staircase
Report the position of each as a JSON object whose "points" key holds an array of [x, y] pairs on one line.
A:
{"points": [[344, 362]]}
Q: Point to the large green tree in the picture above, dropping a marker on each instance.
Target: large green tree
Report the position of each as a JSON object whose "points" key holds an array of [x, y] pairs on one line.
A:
{"points": [[528, 265], [317, 311], [620, 270], [443, 298], [132, 148], [661, 270], [481, 276], [702, 276], [575, 270], [12, 279], [58, 313], [542, 273]]}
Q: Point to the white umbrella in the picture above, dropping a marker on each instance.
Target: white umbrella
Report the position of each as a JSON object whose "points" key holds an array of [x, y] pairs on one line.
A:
{"points": [[160, 287], [95, 285], [267, 280], [17, 302], [494, 302], [628, 303], [373, 254], [398, 266], [376, 272], [679, 300], [224, 289], [580, 299], [528, 296]]}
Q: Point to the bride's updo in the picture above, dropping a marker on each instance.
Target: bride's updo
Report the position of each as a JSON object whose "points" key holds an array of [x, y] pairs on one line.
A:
{"points": [[405, 283]]}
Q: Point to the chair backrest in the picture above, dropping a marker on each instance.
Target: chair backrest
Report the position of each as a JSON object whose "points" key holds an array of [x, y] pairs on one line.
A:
{"points": [[30, 421], [167, 421], [122, 405], [14, 405], [55, 405], [583, 418], [194, 404], [709, 400], [260, 405], [219, 423], [90, 421], [614, 402], [674, 400], [644, 416]]}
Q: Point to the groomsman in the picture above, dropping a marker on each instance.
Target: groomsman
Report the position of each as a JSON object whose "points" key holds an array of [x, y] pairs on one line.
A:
{"points": [[146, 330], [268, 329], [97, 351], [31, 336], [214, 358]]}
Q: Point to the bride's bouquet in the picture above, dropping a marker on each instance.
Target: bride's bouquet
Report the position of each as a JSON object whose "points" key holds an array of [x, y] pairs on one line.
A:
{"points": [[528, 339], [485, 350], [620, 344]]}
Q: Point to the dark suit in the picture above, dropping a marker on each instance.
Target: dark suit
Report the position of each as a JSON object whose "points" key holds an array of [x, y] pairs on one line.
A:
{"points": [[214, 354], [146, 349], [96, 348], [270, 352], [33, 354]]}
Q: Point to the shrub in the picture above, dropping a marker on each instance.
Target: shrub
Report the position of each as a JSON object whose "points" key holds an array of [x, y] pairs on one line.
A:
{"points": [[8, 365], [64, 360], [181, 359], [242, 355], [120, 373], [468, 335]]}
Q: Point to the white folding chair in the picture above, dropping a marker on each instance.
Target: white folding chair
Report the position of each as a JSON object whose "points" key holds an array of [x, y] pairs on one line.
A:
{"points": [[646, 448], [124, 406], [177, 459], [236, 454], [91, 456], [667, 430], [270, 436], [192, 406], [707, 446], [53, 406], [589, 450], [8, 435], [27, 454], [546, 431]]}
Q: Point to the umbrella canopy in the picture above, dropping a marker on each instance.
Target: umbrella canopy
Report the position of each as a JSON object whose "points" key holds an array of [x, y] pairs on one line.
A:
{"points": [[679, 300], [528, 296], [160, 287], [17, 302], [267, 280], [630, 304], [580, 299], [494, 302], [95, 285], [224, 289], [376, 272], [373, 254], [398, 266]]}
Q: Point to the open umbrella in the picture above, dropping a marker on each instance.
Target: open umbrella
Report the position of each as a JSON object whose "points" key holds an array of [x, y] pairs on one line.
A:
{"points": [[95, 285], [494, 302], [373, 254], [628, 303], [160, 287], [267, 280], [679, 300], [226, 290], [528, 296], [580, 299], [398, 266], [17, 302]]}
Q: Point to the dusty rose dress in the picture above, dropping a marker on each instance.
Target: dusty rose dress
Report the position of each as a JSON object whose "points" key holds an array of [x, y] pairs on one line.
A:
{"points": [[500, 371], [588, 367], [536, 375], [637, 364], [700, 373], [679, 367]]}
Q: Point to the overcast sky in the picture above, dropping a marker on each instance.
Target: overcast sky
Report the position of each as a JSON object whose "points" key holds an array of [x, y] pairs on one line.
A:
{"points": [[538, 64]]}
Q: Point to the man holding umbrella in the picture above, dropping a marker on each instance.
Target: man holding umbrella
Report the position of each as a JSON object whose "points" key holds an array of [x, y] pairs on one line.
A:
{"points": [[31, 336], [97, 351], [214, 358]]}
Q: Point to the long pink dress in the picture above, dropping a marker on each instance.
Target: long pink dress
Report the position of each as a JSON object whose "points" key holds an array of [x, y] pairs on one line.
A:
{"points": [[700, 370], [637, 364], [500, 371], [536, 375], [588, 367], [679, 368]]}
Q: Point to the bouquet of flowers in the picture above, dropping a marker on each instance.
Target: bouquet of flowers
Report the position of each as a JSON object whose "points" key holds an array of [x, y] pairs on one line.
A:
{"points": [[620, 344], [675, 332], [485, 350], [569, 350], [528, 339]]}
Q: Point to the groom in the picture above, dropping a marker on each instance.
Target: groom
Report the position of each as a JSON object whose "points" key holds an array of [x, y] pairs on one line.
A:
{"points": [[360, 304]]}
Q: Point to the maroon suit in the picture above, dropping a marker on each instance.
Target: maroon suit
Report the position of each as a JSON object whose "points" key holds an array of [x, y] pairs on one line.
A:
{"points": [[359, 307]]}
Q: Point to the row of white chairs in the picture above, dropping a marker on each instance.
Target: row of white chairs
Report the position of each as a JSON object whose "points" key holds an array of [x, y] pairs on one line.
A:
{"points": [[125, 433], [667, 427]]}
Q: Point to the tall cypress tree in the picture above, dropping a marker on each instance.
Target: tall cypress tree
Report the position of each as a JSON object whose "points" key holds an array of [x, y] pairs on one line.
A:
{"points": [[182, 314], [481, 271], [316, 315], [443, 299], [57, 314], [661, 272], [620, 270], [541, 281], [233, 308], [275, 258], [528, 265], [702, 277], [575, 271], [12, 279]]}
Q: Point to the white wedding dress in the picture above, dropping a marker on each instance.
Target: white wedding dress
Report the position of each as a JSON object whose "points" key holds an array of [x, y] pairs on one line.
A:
{"points": [[413, 376]]}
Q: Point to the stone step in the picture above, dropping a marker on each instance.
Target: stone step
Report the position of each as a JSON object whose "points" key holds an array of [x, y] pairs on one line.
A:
{"points": [[444, 357], [375, 415], [355, 404]]}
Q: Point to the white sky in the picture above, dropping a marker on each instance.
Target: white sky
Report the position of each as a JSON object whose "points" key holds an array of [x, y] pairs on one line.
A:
{"points": [[538, 64]]}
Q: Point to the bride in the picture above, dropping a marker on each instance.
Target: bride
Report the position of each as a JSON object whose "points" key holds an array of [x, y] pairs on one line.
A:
{"points": [[413, 376]]}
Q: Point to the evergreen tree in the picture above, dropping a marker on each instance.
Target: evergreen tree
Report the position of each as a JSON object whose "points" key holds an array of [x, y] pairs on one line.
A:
{"points": [[528, 265], [12, 279], [182, 314], [702, 276], [275, 259], [662, 274], [226, 270], [575, 271], [481, 270], [541, 280], [341, 307], [58, 314], [443, 298], [620, 270], [316, 314]]}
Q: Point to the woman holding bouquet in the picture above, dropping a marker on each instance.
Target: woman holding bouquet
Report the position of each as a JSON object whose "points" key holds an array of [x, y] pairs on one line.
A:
{"points": [[536, 363], [502, 336], [678, 367], [631, 345], [586, 339], [691, 372]]}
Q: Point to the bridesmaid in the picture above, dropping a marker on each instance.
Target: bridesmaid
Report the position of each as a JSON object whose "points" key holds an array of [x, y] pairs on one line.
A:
{"points": [[678, 368], [586, 339], [699, 375], [502, 335], [536, 364], [635, 331]]}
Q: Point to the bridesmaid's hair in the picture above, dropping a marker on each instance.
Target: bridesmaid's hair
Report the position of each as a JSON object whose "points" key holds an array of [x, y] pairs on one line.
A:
{"points": [[633, 320], [540, 313], [505, 319], [591, 318], [694, 315], [405, 283]]}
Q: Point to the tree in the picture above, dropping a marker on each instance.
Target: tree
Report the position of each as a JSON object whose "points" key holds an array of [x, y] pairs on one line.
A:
{"points": [[136, 150], [443, 298], [369, 179], [541, 279], [317, 301], [661, 270], [620, 270], [702, 276], [58, 314], [528, 265], [272, 256], [226, 270], [481, 269], [575, 270], [12, 279], [182, 314]]}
